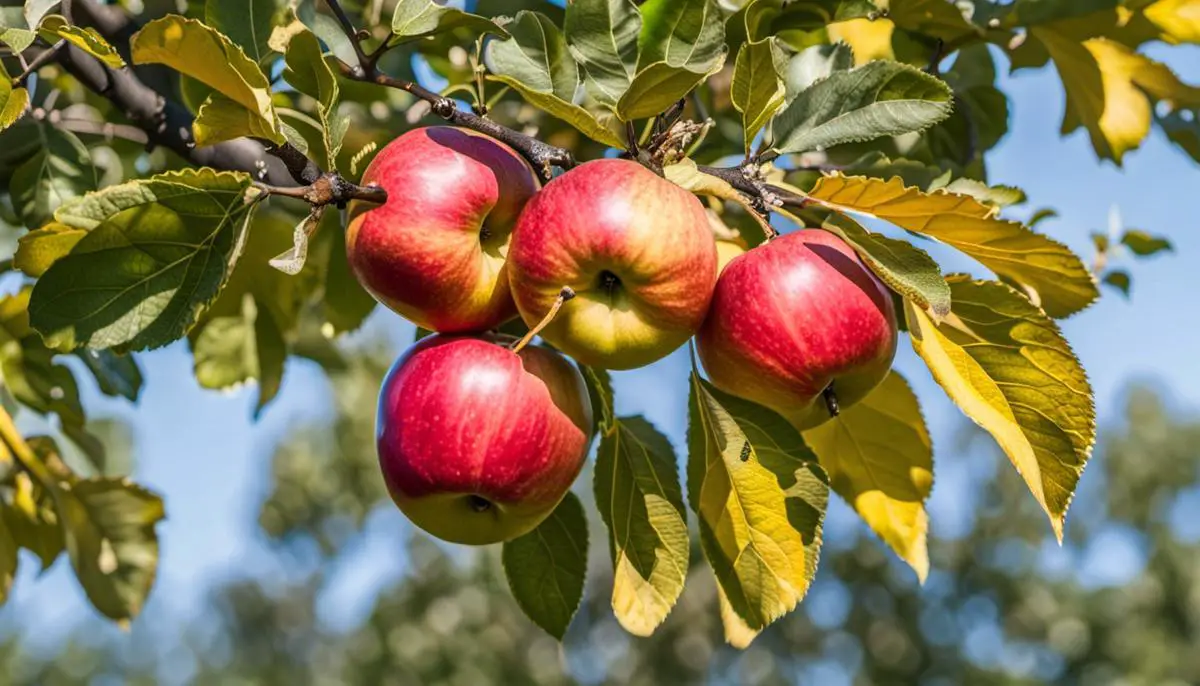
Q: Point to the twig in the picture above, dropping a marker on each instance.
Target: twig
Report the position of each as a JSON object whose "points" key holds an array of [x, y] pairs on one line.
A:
{"points": [[542, 156], [329, 188], [38, 62]]}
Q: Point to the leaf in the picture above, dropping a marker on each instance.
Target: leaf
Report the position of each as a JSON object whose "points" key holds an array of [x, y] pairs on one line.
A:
{"points": [[345, 302], [905, 268], [426, 17], [54, 27], [16, 37], [547, 566], [230, 350], [641, 502], [1046, 267], [248, 23], [581, 119], [1143, 244], [933, 18], [36, 9], [880, 459], [58, 172], [156, 253], [603, 37], [1182, 128], [758, 89], [815, 63], [655, 89], [996, 196], [681, 33], [759, 497], [221, 119], [877, 99], [8, 555], [109, 528], [13, 101], [116, 375], [1007, 366], [307, 71], [688, 176], [1110, 89], [199, 51], [737, 633], [600, 393], [32, 520], [536, 56], [1120, 280], [38, 249]]}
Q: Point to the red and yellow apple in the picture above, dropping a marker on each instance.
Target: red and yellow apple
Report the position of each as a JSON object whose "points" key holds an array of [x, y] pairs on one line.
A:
{"points": [[636, 249], [796, 316], [435, 251], [478, 444]]}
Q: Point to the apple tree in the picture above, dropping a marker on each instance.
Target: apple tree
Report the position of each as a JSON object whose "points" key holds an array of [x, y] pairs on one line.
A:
{"points": [[213, 171]]}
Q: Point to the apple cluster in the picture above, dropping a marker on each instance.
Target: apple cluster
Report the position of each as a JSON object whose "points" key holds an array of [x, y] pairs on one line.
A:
{"points": [[480, 436]]}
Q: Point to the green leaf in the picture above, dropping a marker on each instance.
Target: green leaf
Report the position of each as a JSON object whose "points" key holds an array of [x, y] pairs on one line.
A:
{"points": [[1120, 280], [36, 9], [996, 196], [156, 253], [760, 498], [758, 89], [194, 49], [584, 121], [600, 392], [655, 89], [882, 98], [116, 375], [58, 172], [1143, 244], [326, 28], [546, 567], [39, 249], [426, 17], [16, 37], [814, 64], [536, 55], [54, 27], [1044, 267], [880, 459], [109, 528], [230, 350], [1182, 130], [641, 502], [8, 554], [904, 267], [32, 520], [221, 119], [248, 24], [346, 303], [1007, 366], [603, 37], [936, 19], [308, 72], [681, 33]]}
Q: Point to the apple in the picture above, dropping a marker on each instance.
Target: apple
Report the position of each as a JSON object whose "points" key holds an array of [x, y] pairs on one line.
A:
{"points": [[477, 443], [800, 325], [435, 251], [636, 249]]}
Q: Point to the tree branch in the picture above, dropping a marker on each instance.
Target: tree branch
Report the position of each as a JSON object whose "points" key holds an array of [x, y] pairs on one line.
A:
{"points": [[542, 156]]}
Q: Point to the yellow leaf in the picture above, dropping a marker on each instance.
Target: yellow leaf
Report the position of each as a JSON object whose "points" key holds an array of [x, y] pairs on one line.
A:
{"points": [[760, 497], [737, 633], [1058, 278], [13, 101], [880, 459], [39, 249], [1179, 20], [1111, 89], [199, 51], [86, 39], [870, 40], [1007, 366]]}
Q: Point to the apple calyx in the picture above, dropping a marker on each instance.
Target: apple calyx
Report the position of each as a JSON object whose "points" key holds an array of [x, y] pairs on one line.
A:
{"points": [[563, 296], [831, 400]]}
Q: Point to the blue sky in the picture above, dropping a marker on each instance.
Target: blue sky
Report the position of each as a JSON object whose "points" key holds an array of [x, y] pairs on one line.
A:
{"points": [[203, 452]]}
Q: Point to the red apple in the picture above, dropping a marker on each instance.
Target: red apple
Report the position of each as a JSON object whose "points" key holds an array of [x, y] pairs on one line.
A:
{"points": [[796, 316], [435, 251], [478, 444], [636, 249]]}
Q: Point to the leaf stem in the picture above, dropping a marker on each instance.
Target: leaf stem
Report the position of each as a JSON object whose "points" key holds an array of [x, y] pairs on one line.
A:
{"points": [[563, 296]]}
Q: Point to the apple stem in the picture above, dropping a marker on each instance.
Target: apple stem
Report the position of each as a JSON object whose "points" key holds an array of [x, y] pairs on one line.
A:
{"points": [[831, 401], [563, 296]]}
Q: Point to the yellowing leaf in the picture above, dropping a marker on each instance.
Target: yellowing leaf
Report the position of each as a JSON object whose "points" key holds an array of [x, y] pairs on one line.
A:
{"points": [[1111, 89], [880, 459], [221, 119], [1046, 267], [1007, 366], [737, 633], [1179, 20], [760, 498], [639, 498], [39, 249], [87, 39], [584, 121], [199, 51], [13, 101], [870, 40]]}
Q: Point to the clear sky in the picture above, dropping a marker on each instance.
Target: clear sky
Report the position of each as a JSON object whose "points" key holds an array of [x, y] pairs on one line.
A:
{"points": [[203, 452]]}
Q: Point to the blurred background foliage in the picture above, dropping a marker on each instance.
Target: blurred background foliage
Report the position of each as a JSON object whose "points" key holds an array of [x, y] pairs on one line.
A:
{"points": [[1002, 605]]}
